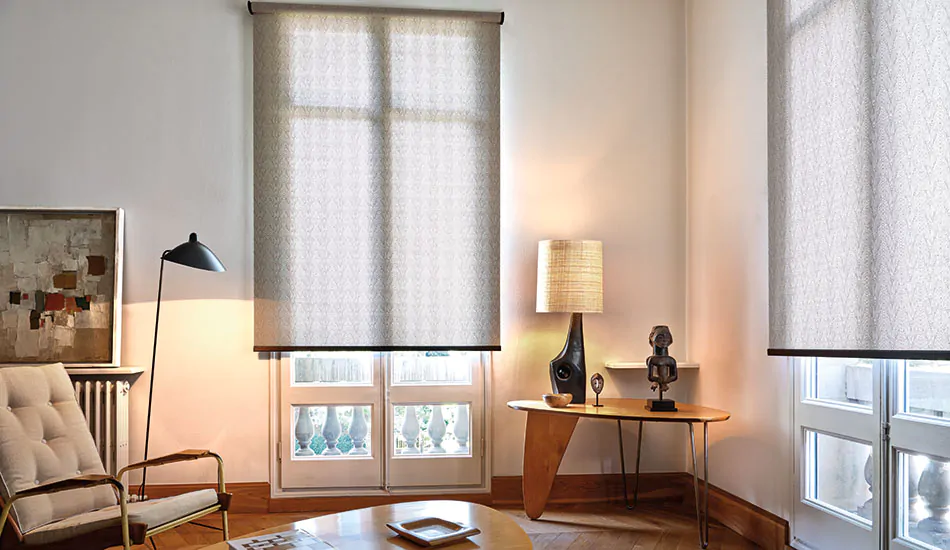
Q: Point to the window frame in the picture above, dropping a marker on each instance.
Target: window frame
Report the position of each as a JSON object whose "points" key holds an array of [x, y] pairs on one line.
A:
{"points": [[275, 440]]}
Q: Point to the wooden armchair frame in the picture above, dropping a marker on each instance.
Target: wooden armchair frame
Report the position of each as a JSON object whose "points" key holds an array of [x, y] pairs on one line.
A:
{"points": [[224, 498], [131, 532]]}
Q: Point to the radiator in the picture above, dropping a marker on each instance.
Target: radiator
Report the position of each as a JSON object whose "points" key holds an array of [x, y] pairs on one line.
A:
{"points": [[105, 404]]}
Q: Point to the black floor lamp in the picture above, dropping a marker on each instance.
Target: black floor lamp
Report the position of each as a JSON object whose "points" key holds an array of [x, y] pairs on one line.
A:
{"points": [[190, 254]]}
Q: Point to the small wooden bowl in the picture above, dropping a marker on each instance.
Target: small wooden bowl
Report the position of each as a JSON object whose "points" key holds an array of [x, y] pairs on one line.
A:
{"points": [[557, 400]]}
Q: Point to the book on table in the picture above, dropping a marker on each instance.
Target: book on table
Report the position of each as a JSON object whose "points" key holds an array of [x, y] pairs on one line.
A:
{"points": [[296, 539]]}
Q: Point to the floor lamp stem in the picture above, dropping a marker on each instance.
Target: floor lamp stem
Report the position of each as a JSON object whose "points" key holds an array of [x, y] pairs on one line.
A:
{"points": [[151, 381]]}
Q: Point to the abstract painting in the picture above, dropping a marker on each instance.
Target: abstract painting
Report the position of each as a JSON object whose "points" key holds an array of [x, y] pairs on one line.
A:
{"points": [[60, 285]]}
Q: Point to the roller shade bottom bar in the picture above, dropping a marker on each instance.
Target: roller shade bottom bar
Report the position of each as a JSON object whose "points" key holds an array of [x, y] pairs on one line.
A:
{"points": [[920, 355]]}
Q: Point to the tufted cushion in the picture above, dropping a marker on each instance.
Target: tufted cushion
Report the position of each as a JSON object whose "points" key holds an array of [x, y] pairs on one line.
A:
{"points": [[44, 438], [152, 513]]}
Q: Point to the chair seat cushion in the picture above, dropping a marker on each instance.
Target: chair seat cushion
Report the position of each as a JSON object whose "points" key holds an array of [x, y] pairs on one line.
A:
{"points": [[152, 513]]}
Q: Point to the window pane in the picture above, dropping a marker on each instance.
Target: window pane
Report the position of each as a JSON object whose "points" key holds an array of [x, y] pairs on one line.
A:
{"points": [[442, 368], [436, 429], [840, 474], [437, 168], [846, 381], [333, 63], [435, 66], [923, 499], [927, 388], [332, 369], [332, 431]]}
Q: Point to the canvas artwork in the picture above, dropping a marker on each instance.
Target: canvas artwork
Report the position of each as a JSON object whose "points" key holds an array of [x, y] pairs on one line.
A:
{"points": [[59, 285]]}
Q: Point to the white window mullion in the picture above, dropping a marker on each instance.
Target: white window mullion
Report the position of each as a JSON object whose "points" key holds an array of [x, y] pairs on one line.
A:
{"points": [[919, 454], [837, 430]]}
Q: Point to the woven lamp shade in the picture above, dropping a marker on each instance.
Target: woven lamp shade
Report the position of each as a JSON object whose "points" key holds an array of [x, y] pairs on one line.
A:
{"points": [[570, 277]]}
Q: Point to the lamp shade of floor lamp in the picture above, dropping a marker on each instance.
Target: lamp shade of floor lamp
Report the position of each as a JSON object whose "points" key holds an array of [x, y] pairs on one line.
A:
{"points": [[191, 253], [571, 280]]}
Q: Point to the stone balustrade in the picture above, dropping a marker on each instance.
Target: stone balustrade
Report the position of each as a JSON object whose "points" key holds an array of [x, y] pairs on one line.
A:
{"points": [[432, 439], [343, 432], [345, 428], [926, 504]]}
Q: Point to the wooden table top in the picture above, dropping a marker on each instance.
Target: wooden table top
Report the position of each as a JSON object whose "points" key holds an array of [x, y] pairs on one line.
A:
{"points": [[366, 527], [627, 409]]}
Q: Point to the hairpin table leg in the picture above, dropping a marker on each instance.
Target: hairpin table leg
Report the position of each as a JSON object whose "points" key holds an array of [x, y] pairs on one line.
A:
{"points": [[623, 467], [706, 480], [702, 520]]}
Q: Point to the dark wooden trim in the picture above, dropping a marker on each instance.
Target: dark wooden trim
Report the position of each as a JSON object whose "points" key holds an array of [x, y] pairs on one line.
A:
{"points": [[275, 349], [584, 488], [762, 527], [922, 355], [342, 504], [251, 498]]}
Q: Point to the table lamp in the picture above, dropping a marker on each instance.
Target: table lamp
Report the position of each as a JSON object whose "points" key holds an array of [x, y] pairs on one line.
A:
{"points": [[571, 280], [191, 253]]}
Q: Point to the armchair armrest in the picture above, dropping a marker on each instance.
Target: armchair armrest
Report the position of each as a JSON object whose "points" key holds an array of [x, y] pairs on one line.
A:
{"points": [[181, 456], [78, 482]]}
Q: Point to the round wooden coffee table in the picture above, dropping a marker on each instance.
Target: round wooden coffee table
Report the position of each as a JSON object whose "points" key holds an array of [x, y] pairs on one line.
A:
{"points": [[366, 528]]}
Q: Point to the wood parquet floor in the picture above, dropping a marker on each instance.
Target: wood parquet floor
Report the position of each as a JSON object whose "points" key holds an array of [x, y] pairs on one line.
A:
{"points": [[562, 527]]}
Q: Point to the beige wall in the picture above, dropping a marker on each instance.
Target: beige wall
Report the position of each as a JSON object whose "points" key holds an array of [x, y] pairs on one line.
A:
{"points": [[728, 252], [145, 105]]}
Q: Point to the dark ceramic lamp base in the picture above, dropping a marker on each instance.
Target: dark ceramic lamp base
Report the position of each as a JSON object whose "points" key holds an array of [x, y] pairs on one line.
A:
{"points": [[568, 369]]}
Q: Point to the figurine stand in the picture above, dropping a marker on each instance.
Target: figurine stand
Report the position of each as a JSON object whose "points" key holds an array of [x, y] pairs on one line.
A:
{"points": [[597, 401], [661, 405]]}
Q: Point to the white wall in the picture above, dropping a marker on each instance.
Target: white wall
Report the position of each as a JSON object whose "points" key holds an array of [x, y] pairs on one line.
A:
{"points": [[593, 141], [146, 105], [728, 252]]}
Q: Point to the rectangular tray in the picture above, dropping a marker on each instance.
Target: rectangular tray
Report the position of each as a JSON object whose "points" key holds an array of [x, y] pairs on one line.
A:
{"points": [[430, 531]]}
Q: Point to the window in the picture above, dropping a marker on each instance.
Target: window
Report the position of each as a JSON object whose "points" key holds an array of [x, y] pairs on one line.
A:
{"points": [[873, 453], [376, 242], [858, 187], [373, 421]]}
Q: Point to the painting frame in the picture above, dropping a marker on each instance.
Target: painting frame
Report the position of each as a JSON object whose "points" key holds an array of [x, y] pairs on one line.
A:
{"points": [[114, 216]]}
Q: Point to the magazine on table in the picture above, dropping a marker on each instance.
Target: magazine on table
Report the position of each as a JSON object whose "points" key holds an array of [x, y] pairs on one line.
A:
{"points": [[297, 539]]}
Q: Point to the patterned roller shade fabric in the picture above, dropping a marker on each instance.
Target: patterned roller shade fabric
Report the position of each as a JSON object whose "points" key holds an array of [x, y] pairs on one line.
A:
{"points": [[376, 175], [859, 178]]}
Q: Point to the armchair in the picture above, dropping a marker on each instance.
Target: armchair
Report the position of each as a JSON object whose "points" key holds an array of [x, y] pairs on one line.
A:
{"points": [[55, 491]]}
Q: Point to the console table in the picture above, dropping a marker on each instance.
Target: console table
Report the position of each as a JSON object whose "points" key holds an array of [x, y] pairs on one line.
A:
{"points": [[549, 430]]}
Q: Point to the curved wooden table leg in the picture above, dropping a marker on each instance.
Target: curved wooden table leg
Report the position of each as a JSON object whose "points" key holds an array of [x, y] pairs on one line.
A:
{"points": [[545, 439]]}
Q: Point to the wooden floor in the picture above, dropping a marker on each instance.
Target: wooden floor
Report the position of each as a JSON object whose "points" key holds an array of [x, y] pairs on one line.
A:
{"points": [[574, 527]]}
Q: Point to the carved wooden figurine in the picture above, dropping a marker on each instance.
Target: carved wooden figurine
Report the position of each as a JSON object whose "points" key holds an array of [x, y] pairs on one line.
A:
{"points": [[661, 368]]}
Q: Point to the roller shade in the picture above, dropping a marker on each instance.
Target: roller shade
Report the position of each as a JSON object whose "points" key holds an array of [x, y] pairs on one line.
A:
{"points": [[859, 180], [376, 175]]}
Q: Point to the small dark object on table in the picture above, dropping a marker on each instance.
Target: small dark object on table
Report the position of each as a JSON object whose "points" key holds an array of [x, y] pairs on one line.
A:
{"points": [[597, 384], [661, 368]]}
